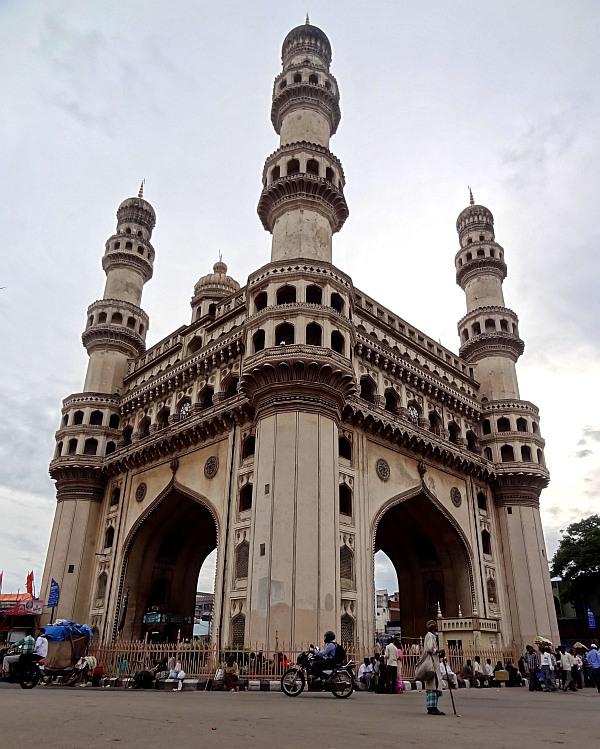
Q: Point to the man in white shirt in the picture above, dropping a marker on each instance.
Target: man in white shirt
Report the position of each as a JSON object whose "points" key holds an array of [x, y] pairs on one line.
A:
{"points": [[41, 644], [391, 665], [365, 674], [488, 671], [547, 669], [566, 663]]}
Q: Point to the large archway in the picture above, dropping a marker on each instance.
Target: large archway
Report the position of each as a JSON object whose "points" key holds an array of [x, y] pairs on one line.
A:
{"points": [[431, 559], [164, 555]]}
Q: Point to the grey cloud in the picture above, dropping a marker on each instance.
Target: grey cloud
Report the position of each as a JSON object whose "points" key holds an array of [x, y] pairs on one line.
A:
{"points": [[591, 433], [583, 453]]}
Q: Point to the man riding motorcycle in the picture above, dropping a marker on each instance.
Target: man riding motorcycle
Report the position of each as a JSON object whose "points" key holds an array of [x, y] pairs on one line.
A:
{"points": [[324, 660]]}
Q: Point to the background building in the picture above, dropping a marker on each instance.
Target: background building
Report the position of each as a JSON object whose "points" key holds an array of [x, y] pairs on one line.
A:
{"points": [[298, 426]]}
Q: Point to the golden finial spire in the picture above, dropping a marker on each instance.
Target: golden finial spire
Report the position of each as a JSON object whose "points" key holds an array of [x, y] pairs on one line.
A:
{"points": [[141, 190], [471, 201], [307, 19], [220, 256]]}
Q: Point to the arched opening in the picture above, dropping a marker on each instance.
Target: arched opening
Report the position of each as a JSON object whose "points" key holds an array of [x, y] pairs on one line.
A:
{"points": [[526, 454], [286, 294], [313, 78], [337, 302], [431, 560], [344, 447], [314, 294], [144, 427], [507, 454], [115, 496], [194, 345], [102, 317], [482, 501], [164, 566], [162, 417], [312, 167], [314, 334], [392, 400], [283, 84], [345, 500], [90, 446], [116, 319], [329, 174], [109, 537], [110, 448], [238, 631], [476, 328], [284, 334], [101, 586], [231, 387], [454, 432], [472, 441], [367, 389], [540, 457], [205, 397], [293, 167], [113, 422], [347, 637], [486, 542], [245, 498], [297, 77], [486, 426], [503, 425], [522, 425], [96, 418], [58, 451], [258, 341], [435, 423], [242, 556], [260, 301], [490, 325], [338, 342], [212, 309], [131, 323], [248, 447], [534, 427], [487, 452], [347, 567], [72, 446], [465, 335], [65, 420], [275, 173], [127, 433], [78, 417]]}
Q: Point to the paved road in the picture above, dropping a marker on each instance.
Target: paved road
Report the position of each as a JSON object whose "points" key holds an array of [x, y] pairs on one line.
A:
{"points": [[61, 718]]}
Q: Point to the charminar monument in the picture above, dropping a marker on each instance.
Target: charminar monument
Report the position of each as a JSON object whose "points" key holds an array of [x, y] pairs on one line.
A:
{"points": [[297, 426]]}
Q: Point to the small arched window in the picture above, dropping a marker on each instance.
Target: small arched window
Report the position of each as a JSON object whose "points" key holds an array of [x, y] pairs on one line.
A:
{"points": [[472, 441], [526, 454], [540, 457], [338, 343], [212, 309], [238, 631], [109, 537], [110, 447], [488, 453], [131, 323], [258, 341], [65, 420], [522, 425], [58, 451], [337, 302], [503, 424], [102, 317], [205, 397], [347, 630], [465, 335], [113, 421], [101, 586], [286, 294], [504, 325], [367, 389], [96, 418], [481, 253], [293, 167], [469, 254], [194, 345], [347, 565], [344, 448], [297, 77], [90, 446], [284, 334], [162, 417], [283, 84], [275, 173], [534, 427], [260, 301], [248, 447], [231, 387], [116, 319], [507, 454], [78, 417], [453, 432], [482, 501], [115, 496], [144, 427], [330, 175], [435, 423], [127, 432], [490, 324], [314, 294], [312, 167], [242, 555], [476, 328], [486, 542], [313, 78], [486, 426], [129, 245], [345, 499], [314, 334], [72, 446], [245, 498], [392, 401]]}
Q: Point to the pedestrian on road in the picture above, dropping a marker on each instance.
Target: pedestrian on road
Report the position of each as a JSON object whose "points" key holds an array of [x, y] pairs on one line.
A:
{"points": [[433, 686], [567, 663], [547, 667], [593, 659], [533, 664], [391, 665]]}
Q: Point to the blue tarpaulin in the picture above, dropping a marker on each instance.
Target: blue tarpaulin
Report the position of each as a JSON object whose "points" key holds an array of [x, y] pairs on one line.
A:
{"points": [[61, 630]]}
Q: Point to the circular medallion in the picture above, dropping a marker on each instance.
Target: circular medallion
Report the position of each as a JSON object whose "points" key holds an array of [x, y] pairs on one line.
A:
{"points": [[455, 496], [211, 467], [185, 410], [140, 492], [382, 468], [413, 413]]}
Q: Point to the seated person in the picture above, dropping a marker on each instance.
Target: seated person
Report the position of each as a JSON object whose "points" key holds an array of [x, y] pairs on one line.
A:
{"points": [[231, 675], [488, 671], [450, 677], [25, 647], [324, 659], [467, 674], [365, 674]]}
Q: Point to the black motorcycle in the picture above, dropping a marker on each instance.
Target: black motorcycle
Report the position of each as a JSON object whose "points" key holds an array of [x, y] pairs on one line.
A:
{"points": [[338, 679], [28, 671]]}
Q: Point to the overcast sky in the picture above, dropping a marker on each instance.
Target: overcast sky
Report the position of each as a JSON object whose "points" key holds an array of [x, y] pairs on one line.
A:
{"points": [[503, 96]]}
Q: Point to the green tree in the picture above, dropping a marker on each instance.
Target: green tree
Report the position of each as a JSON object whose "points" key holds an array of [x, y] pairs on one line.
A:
{"points": [[577, 561]]}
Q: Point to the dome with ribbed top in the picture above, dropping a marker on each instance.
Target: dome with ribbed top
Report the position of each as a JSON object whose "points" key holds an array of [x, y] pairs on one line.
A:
{"points": [[217, 283], [306, 39]]}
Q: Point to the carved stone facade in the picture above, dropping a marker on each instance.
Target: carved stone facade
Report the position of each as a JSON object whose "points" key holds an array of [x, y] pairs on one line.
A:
{"points": [[297, 426]]}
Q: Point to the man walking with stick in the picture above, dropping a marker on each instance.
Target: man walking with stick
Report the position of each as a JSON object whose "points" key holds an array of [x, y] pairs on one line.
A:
{"points": [[433, 686]]}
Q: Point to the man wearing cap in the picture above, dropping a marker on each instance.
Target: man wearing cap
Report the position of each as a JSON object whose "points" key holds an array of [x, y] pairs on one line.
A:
{"points": [[593, 659], [433, 686]]}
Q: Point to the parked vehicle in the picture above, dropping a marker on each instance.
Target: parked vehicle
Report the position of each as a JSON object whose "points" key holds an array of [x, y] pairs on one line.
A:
{"points": [[338, 679]]}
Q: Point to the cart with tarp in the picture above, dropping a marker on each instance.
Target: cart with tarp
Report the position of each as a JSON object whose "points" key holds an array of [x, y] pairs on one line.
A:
{"points": [[68, 661]]}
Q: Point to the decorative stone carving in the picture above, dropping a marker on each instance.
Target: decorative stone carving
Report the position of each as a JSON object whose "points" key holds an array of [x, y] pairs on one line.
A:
{"points": [[456, 496], [382, 468], [140, 492], [211, 467]]}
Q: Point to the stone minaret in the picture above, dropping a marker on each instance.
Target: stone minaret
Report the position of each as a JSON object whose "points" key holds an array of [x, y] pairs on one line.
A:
{"points": [[510, 432], [302, 203], [115, 331]]}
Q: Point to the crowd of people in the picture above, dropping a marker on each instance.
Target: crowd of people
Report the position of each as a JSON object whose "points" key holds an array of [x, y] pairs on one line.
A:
{"points": [[550, 669]]}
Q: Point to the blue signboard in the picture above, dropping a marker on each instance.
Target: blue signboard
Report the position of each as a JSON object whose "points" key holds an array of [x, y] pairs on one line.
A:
{"points": [[591, 619], [54, 595]]}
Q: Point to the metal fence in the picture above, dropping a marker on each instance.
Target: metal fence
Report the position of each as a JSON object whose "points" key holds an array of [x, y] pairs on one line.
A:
{"points": [[123, 658]]}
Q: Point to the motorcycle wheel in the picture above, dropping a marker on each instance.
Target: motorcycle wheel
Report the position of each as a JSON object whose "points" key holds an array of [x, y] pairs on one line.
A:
{"points": [[341, 685], [29, 680], [293, 682]]}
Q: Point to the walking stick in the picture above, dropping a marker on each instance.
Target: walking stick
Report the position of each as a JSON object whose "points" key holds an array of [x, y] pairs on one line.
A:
{"points": [[456, 715]]}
